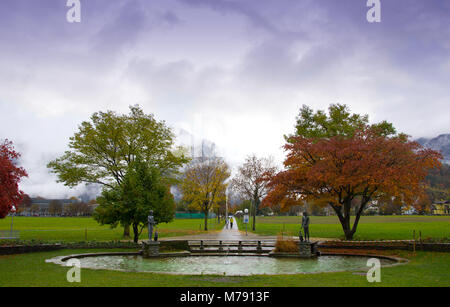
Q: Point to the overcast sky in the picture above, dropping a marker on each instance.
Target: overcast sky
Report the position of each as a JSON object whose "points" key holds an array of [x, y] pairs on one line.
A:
{"points": [[235, 72]]}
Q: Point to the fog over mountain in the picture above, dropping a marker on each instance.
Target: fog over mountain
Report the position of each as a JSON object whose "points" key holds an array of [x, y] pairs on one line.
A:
{"points": [[440, 143], [197, 146]]}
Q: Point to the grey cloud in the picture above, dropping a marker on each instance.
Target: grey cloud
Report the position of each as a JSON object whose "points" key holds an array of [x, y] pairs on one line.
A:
{"points": [[268, 58], [171, 18], [238, 7], [123, 30]]}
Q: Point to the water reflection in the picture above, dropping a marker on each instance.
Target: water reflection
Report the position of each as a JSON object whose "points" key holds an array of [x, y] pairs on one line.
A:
{"points": [[216, 265]]}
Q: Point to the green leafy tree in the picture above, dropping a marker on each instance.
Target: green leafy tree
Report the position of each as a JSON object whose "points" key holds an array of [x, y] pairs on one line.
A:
{"points": [[338, 122], [104, 147], [245, 204], [142, 189]]}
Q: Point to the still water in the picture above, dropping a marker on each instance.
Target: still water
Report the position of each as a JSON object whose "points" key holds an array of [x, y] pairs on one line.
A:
{"points": [[230, 266]]}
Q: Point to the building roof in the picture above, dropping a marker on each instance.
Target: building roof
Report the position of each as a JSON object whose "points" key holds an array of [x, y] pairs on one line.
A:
{"points": [[42, 201], [441, 202]]}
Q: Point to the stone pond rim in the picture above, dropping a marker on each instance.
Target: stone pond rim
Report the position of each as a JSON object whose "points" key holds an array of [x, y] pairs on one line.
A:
{"points": [[333, 262]]}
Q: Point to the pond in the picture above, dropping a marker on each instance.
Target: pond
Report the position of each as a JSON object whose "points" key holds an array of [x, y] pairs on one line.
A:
{"points": [[230, 266]]}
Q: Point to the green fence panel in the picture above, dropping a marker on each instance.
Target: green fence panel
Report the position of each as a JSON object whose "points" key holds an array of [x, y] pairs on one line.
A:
{"points": [[193, 215]]}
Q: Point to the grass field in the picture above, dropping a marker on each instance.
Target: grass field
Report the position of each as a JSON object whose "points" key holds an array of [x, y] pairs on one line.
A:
{"points": [[74, 229], [369, 228], [424, 269]]}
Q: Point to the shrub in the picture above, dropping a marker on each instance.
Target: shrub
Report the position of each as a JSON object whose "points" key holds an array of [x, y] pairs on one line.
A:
{"points": [[286, 245]]}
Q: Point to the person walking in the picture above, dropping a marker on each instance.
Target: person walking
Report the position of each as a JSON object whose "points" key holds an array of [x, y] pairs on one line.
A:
{"points": [[231, 222]]}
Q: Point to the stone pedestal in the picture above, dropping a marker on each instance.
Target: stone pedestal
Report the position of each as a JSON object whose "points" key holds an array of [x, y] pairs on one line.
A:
{"points": [[307, 249], [150, 249], [259, 247]]}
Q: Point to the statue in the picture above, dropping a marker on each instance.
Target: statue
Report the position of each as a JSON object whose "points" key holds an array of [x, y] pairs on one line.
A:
{"points": [[151, 248], [300, 235], [151, 223], [305, 225]]}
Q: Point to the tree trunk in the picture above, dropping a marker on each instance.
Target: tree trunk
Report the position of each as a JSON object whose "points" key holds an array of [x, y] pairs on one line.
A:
{"points": [[126, 231], [136, 233], [346, 226], [346, 217], [206, 220], [348, 233], [255, 207], [345, 223], [254, 216], [359, 213]]}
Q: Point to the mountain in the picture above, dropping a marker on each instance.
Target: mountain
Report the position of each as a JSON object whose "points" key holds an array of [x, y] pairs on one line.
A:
{"points": [[440, 143], [198, 147]]}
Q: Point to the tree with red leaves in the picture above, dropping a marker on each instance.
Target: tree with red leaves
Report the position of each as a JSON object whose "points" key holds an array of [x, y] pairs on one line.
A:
{"points": [[351, 169], [10, 176]]}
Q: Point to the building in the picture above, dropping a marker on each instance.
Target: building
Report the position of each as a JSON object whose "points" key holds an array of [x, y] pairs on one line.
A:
{"points": [[42, 207], [440, 208]]}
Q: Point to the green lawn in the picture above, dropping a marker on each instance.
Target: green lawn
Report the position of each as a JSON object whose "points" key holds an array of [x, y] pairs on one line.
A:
{"points": [[424, 269], [369, 228], [73, 229]]}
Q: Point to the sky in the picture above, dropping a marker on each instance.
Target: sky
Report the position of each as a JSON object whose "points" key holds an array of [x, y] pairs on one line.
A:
{"points": [[235, 72]]}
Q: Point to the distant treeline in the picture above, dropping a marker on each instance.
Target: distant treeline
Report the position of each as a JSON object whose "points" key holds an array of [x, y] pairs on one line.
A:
{"points": [[438, 182]]}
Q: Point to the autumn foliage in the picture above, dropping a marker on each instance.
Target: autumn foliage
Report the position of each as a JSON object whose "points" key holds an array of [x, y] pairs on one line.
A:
{"points": [[10, 176], [340, 171], [204, 186], [286, 245]]}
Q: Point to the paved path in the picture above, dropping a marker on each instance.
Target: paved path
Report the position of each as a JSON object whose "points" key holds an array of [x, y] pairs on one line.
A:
{"points": [[230, 234], [230, 231]]}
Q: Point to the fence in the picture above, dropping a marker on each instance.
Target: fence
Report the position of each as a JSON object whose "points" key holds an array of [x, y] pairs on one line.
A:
{"points": [[193, 215], [9, 235]]}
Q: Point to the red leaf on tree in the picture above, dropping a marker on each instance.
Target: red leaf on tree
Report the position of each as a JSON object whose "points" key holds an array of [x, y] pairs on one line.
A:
{"points": [[339, 170], [10, 176]]}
